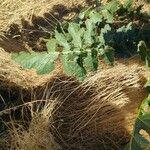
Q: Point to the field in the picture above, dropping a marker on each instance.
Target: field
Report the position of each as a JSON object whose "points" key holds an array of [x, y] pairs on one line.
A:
{"points": [[74, 75]]}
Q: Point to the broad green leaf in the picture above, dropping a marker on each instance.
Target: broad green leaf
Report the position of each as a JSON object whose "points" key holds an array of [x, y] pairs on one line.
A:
{"points": [[71, 67], [109, 55], [109, 9], [76, 32], [147, 61], [106, 28], [62, 40], [91, 61], [95, 59], [43, 62], [84, 13], [101, 51], [88, 41], [68, 37], [112, 6], [137, 141], [51, 45], [124, 28], [127, 4], [121, 29], [95, 16], [147, 85], [98, 3], [108, 16], [104, 31], [129, 26], [142, 50]]}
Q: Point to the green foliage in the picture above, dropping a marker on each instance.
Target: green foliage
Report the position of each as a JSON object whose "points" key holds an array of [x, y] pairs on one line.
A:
{"points": [[147, 85], [128, 4], [144, 52], [81, 43], [43, 62], [137, 141], [109, 55], [71, 67], [62, 41], [142, 122], [76, 33]]}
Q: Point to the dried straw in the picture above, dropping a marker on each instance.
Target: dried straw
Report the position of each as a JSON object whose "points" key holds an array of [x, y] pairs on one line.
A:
{"points": [[94, 115], [91, 115], [37, 135], [13, 11]]}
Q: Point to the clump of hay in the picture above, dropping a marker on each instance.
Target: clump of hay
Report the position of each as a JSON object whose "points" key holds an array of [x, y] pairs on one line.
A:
{"points": [[121, 82], [36, 135], [94, 115]]}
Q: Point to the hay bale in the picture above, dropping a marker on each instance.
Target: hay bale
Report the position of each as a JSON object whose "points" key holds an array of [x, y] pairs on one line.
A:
{"points": [[93, 115], [123, 82]]}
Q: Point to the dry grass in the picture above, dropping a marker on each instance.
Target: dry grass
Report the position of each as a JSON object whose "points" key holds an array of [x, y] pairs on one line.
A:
{"points": [[23, 23], [125, 80], [38, 135], [34, 134], [13, 11], [92, 115]]}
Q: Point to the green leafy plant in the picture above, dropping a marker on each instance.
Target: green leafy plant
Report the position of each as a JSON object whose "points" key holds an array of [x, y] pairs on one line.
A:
{"points": [[147, 85], [144, 52], [142, 122], [43, 62], [81, 43], [137, 141]]}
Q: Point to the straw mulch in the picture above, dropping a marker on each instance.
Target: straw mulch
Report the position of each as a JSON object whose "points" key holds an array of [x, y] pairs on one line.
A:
{"points": [[23, 23], [94, 115], [14, 11]]}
